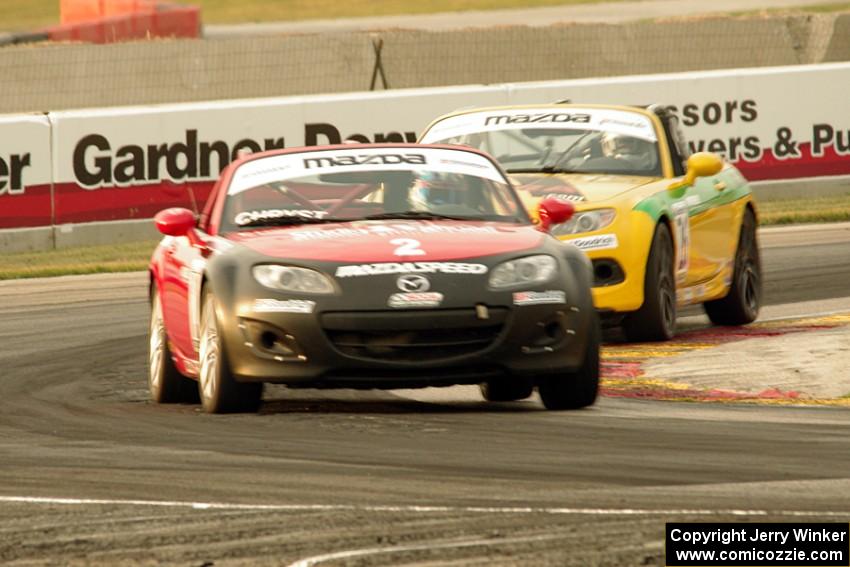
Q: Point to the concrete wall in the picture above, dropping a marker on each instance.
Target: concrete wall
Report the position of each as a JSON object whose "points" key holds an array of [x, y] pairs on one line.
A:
{"points": [[58, 77], [74, 235], [55, 77], [415, 59]]}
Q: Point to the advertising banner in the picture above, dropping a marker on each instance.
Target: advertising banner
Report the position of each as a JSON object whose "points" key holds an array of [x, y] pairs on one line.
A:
{"points": [[772, 123], [127, 163], [25, 171]]}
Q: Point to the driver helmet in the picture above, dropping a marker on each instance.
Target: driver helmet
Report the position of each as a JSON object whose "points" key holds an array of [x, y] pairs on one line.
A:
{"points": [[618, 144], [627, 147], [431, 189]]}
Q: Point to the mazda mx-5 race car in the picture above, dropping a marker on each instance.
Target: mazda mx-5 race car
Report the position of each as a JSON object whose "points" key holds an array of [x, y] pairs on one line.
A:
{"points": [[662, 228], [369, 266]]}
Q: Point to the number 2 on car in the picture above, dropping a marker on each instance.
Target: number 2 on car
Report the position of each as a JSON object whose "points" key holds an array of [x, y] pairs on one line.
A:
{"points": [[407, 247]]}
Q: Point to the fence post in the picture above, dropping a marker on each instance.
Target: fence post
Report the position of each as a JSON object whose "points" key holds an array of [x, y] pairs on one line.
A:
{"points": [[378, 47]]}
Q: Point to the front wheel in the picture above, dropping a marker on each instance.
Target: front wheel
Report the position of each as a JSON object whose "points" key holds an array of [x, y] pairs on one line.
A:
{"points": [[741, 304], [576, 389], [219, 391], [656, 318]]}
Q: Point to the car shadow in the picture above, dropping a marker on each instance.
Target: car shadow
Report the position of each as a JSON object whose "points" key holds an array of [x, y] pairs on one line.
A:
{"points": [[282, 400]]}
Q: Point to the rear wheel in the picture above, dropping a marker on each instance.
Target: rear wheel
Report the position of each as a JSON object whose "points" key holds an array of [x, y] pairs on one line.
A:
{"points": [[741, 304], [166, 384], [575, 389], [656, 318], [507, 390], [219, 391]]}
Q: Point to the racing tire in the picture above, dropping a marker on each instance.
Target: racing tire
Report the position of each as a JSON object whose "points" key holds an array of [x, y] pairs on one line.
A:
{"points": [[741, 304], [219, 391], [506, 389], [577, 389], [166, 384], [656, 318]]}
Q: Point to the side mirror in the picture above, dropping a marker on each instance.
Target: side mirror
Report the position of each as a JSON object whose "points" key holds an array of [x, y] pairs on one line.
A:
{"points": [[553, 210], [700, 164], [175, 221]]}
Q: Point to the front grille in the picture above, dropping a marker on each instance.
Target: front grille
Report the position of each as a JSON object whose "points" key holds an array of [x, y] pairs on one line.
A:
{"points": [[413, 337]]}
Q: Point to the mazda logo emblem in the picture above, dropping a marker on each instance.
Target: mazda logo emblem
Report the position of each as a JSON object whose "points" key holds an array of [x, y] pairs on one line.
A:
{"points": [[413, 283]]}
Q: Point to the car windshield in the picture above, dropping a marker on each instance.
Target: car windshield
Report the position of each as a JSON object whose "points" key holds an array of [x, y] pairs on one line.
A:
{"points": [[546, 140], [366, 183]]}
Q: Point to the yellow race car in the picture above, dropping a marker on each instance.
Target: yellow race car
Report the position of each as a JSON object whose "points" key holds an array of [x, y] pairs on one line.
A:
{"points": [[663, 228]]}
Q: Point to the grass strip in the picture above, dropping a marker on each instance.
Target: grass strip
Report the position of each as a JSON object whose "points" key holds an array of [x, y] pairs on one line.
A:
{"points": [[825, 8], [804, 210], [126, 257], [27, 15], [227, 11], [20, 15]]}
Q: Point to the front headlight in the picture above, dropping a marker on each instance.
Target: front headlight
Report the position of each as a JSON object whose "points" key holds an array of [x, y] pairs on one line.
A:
{"points": [[290, 278], [524, 271], [586, 221]]}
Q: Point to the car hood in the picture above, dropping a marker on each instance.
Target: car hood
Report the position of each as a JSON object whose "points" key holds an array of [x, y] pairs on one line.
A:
{"points": [[579, 188], [390, 241]]}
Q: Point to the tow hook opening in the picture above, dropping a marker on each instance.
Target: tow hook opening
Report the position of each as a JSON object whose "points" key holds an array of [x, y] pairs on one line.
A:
{"points": [[552, 334], [269, 341]]}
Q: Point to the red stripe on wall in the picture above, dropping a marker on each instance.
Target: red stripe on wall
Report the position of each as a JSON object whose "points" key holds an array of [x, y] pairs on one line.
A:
{"points": [[75, 204], [769, 167], [30, 208]]}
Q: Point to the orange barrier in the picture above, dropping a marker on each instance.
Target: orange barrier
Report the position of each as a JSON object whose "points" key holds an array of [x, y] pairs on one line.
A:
{"points": [[164, 20], [76, 11]]}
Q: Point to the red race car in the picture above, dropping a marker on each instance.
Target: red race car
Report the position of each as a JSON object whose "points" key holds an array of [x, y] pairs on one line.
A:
{"points": [[369, 266]]}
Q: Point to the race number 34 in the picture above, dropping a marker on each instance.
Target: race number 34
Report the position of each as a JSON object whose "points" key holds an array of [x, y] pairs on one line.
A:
{"points": [[407, 247]]}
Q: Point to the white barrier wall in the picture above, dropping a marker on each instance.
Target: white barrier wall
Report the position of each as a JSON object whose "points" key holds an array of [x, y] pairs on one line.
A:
{"points": [[25, 171], [773, 123], [132, 162], [128, 163]]}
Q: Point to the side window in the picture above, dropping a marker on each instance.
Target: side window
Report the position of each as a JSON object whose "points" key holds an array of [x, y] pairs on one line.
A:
{"points": [[677, 144], [500, 202], [679, 151]]}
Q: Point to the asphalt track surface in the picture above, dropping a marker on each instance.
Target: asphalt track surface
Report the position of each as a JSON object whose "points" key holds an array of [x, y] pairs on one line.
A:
{"points": [[377, 478]]}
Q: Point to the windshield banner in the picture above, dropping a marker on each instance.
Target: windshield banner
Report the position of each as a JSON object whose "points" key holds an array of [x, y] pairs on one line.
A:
{"points": [[293, 166], [605, 120]]}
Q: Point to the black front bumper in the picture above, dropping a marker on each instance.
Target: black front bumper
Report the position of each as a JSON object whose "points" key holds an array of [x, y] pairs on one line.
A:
{"points": [[357, 337], [406, 348]]}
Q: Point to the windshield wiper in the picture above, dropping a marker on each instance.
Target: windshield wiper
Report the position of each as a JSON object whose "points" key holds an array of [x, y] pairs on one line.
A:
{"points": [[283, 221], [417, 215], [554, 166], [542, 169]]}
